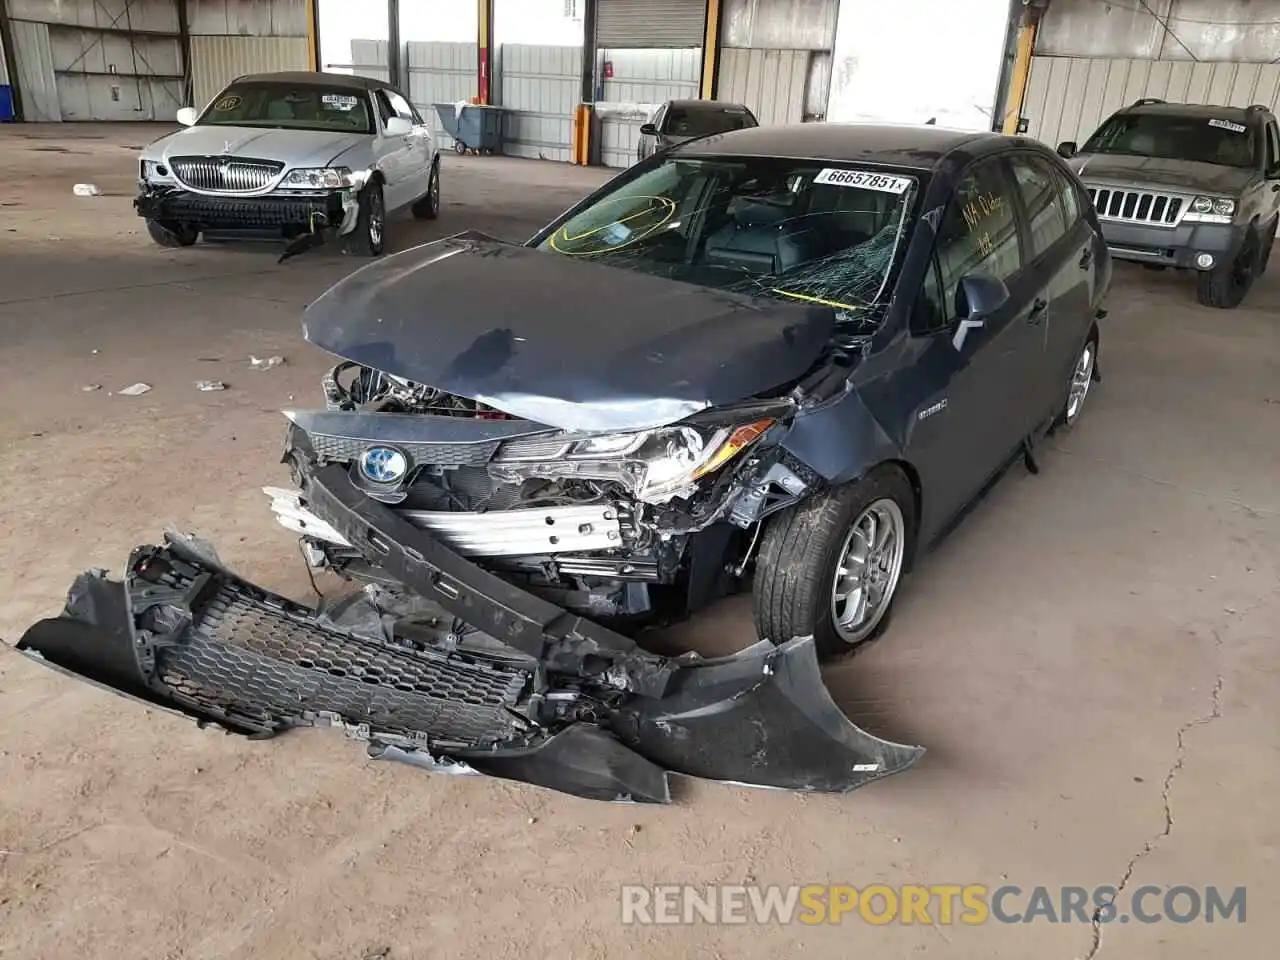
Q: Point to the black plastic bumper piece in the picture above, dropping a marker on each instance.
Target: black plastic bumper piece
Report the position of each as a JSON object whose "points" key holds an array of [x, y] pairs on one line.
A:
{"points": [[239, 213], [184, 634]]}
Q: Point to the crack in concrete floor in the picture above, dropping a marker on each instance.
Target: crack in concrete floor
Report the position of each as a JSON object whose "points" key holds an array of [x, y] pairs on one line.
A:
{"points": [[1149, 846]]}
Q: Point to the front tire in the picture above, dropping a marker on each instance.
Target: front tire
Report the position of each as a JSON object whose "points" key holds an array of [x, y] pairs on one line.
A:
{"points": [[427, 207], [830, 567], [1225, 286], [368, 237], [172, 234]]}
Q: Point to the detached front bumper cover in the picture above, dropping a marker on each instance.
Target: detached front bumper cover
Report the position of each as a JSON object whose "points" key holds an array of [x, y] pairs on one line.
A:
{"points": [[182, 632]]}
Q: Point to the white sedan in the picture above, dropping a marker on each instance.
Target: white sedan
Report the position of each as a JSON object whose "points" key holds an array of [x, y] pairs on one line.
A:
{"points": [[291, 156]]}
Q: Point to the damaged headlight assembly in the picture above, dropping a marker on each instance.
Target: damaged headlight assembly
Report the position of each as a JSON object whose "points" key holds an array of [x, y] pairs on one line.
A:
{"points": [[657, 465]]}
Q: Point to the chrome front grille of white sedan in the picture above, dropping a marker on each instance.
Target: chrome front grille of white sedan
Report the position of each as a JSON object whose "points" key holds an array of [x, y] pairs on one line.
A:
{"points": [[223, 175]]}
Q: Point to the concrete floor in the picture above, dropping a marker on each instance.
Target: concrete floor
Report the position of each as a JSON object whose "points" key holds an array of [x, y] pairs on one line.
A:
{"points": [[1091, 659]]}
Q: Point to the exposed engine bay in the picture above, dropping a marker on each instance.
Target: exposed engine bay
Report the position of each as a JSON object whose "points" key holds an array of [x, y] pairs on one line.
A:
{"points": [[607, 525]]}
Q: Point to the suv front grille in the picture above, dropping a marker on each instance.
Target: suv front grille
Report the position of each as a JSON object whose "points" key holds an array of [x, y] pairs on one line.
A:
{"points": [[1136, 206], [223, 175]]}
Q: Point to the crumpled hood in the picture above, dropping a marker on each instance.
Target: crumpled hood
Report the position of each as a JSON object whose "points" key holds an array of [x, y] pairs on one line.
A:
{"points": [[294, 148], [1183, 175], [561, 341]]}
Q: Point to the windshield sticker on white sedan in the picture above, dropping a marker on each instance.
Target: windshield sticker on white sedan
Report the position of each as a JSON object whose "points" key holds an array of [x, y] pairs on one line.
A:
{"points": [[1228, 125], [227, 103], [863, 179], [338, 101]]}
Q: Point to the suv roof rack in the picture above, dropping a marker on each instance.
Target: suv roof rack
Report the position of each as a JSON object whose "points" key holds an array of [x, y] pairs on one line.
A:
{"points": [[1255, 107], [1143, 101]]}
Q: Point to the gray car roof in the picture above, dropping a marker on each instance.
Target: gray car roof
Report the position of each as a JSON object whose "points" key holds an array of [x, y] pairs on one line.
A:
{"points": [[906, 145], [344, 81]]}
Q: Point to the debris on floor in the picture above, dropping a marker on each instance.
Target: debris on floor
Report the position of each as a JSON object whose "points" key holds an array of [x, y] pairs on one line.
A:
{"points": [[135, 390], [210, 386], [86, 190], [265, 363], [91, 387]]}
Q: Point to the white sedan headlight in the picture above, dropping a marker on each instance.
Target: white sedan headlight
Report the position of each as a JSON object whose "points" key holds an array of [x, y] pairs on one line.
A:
{"points": [[153, 170], [659, 464], [318, 178]]}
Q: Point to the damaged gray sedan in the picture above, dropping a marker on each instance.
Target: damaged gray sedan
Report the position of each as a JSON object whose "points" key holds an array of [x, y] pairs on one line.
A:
{"points": [[726, 370]]}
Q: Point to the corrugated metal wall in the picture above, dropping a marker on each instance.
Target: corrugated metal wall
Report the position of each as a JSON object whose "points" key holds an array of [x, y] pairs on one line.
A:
{"points": [[34, 70], [1068, 97], [368, 59], [771, 82], [642, 79], [216, 61], [540, 87], [440, 73], [650, 23]]}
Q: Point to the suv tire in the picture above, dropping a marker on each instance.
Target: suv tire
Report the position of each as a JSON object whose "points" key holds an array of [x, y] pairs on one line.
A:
{"points": [[1225, 286]]}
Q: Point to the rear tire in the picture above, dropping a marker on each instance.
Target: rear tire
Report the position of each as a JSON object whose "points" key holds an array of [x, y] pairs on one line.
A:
{"points": [[459, 146], [427, 207], [805, 565], [368, 239], [1083, 374], [172, 234], [1225, 286]]}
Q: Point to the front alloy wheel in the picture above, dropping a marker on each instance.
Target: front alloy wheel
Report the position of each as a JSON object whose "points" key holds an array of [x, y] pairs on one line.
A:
{"points": [[366, 239], [831, 566], [868, 571]]}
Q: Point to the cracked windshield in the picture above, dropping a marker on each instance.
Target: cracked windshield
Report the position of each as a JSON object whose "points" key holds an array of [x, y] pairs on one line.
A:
{"points": [[800, 230]]}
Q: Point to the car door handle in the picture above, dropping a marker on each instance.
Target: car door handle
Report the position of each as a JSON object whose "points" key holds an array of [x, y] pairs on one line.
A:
{"points": [[1086, 258], [1037, 311]]}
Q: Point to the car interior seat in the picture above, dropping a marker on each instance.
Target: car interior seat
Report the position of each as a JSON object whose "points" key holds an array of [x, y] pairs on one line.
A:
{"points": [[280, 110], [764, 236]]}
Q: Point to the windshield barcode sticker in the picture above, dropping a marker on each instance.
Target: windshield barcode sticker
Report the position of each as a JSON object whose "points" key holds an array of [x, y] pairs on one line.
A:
{"points": [[338, 101], [1228, 125], [863, 179]]}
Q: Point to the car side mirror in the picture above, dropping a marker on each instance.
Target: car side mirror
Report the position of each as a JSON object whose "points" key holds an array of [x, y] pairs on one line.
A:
{"points": [[979, 296], [187, 116], [1067, 149], [398, 127], [648, 130]]}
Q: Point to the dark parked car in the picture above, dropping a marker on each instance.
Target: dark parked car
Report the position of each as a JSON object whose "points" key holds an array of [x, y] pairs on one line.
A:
{"points": [[1188, 186], [783, 359], [679, 121]]}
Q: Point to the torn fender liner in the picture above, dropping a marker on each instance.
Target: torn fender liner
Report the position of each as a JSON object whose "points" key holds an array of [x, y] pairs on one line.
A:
{"points": [[763, 718], [184, 634]]}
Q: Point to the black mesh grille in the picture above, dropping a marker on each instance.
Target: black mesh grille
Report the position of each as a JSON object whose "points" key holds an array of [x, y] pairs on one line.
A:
{"points": [[272, 662], [440, 454]]}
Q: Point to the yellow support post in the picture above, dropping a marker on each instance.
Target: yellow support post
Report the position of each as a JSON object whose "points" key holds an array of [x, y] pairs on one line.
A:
{"points": [[710, 51], [313, 38], [1018, 81], [484, 39]]}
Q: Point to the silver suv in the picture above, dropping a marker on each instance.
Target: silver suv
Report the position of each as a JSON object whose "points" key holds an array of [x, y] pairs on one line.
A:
{"points": [[293, 156], [1187, 186]]}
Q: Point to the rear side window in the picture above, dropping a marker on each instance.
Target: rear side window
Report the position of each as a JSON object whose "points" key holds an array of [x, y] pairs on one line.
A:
{"points": [[977, 236], [1042, 200], [703, 121], [1273, 146]]}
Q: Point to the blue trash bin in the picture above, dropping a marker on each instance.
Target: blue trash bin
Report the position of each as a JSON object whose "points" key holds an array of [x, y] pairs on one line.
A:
{"points": [[7, 112], [477, 128]]}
